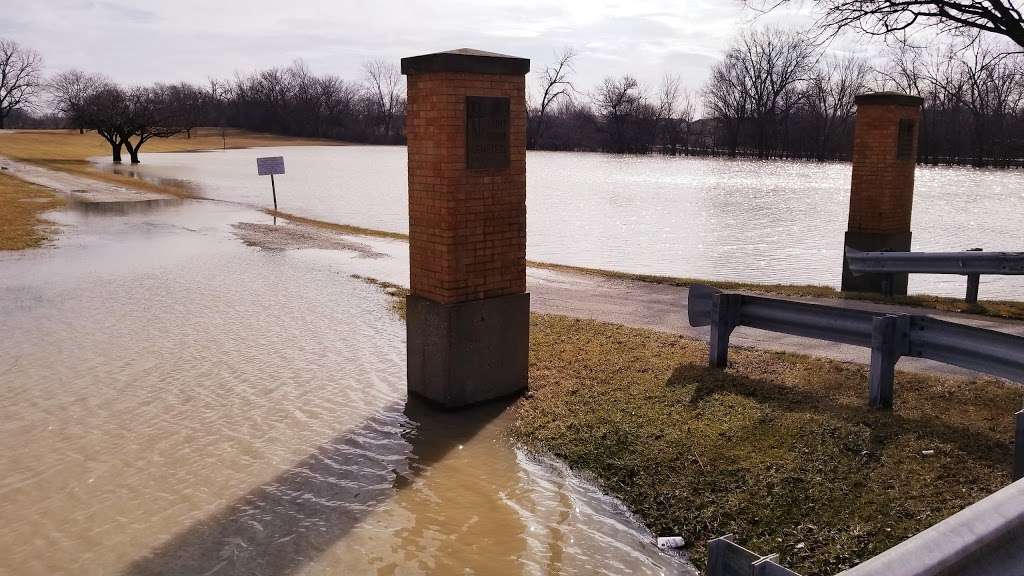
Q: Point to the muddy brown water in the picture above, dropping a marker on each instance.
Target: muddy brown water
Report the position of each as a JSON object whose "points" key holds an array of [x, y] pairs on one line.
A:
{"points": [[174, 401]]}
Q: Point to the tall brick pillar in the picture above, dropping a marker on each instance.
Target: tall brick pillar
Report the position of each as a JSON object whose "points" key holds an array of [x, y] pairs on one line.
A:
{"points": [[882, 187], [469, 312]]}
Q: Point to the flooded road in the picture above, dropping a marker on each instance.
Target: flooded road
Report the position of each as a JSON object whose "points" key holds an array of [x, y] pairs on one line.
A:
{"points": [[747, 220], [173, 401]]}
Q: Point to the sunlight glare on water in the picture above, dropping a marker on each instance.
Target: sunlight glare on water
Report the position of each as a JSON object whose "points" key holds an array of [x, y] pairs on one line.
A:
{"points": [[747, 220]]}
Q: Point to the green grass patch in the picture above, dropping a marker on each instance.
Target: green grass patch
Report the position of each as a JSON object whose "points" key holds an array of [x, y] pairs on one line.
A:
{"points": [[779, 449]]}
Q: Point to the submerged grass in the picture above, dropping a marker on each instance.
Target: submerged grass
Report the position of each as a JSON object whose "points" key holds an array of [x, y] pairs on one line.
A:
{"points": [[21, 207], [397, 293], [779, 449]]}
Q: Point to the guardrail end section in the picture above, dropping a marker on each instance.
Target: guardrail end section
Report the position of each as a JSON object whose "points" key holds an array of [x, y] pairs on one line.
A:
{"points": [[698, 304], [725, 315], [726, 558]]}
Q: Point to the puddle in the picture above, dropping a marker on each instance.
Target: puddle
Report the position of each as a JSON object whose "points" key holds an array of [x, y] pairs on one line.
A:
{"points": [[176, 402]]}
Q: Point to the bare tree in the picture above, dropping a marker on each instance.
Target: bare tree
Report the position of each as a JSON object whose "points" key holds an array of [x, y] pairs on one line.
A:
{"points": [[830, 96], [386, 86], [894, 17], [148, 113], [20, 77], [675, 113], [773, 61], [187, 106], [104, 110], [727, 97], [618, 102], [987, 83], [69, 92], [555, 85]]}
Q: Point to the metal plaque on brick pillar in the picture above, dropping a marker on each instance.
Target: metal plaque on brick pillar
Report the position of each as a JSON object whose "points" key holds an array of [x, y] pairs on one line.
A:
{"points": [[487, 120]]}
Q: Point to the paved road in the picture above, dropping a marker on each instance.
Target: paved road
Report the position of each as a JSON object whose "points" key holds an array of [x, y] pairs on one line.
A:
{"points": [[662, 307]]}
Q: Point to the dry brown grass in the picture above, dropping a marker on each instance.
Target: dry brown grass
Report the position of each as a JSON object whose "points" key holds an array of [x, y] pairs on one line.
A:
{"points": [[779, 449], [68, 151], [21, 207]]}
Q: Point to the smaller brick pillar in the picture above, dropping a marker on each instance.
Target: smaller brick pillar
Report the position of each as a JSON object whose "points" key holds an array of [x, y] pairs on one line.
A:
{"points": [[468, 315], [882, 187]]}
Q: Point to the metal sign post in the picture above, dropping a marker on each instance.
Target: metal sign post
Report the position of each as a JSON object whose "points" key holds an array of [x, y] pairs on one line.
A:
{"points": [[270, 165]]}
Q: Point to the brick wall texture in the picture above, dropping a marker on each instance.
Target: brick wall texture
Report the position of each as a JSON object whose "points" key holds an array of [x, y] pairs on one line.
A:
{"points": [[882, 187], [467, 228]]}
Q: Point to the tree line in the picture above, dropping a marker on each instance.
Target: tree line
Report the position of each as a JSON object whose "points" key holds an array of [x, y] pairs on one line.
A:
{"points": [[291, 101], [776, 94]]}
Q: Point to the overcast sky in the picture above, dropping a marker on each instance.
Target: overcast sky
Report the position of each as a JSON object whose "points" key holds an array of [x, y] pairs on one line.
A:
{"points": [[141, 41]]}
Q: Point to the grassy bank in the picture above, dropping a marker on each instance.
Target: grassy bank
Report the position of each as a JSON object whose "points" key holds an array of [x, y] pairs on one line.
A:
{"points": [[21, 208], [68, 151], [779, 449]]}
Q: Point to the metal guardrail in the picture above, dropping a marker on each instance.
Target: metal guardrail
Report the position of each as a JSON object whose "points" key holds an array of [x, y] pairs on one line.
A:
{"points": [[726, 558], [889, 336], [972, 263], [985, 539]]}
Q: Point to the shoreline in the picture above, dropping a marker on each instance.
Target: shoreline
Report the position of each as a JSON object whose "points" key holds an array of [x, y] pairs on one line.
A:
{"points": [[780, 449], [1007, 309]]}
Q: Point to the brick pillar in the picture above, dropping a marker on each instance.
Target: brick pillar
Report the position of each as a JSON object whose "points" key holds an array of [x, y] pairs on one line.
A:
{"points": [[469, 312], [882, 187]]}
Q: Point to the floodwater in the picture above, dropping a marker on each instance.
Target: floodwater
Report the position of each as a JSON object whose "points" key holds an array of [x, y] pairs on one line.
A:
{"points": [[173, 401], [762, 221]]}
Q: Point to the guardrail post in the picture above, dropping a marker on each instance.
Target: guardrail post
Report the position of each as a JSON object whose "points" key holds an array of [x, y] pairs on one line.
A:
{"points": [[725, 315], [889, 341], [973, 282], [1018, 448]]}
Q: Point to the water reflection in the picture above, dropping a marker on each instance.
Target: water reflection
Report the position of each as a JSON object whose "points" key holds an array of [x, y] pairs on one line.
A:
{"points": [[118, 208], [287, 522]]}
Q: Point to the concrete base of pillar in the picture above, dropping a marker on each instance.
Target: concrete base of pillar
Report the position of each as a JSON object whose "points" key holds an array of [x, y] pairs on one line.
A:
{"points": [[875, 242], [469, 352]]}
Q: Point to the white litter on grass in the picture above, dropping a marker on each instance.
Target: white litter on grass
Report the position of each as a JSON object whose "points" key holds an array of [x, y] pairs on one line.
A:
{"points": [[671, 542]]}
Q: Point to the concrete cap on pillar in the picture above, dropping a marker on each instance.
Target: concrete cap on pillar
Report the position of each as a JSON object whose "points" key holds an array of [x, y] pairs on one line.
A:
{"points": [[465, 60], [888, 99]]}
